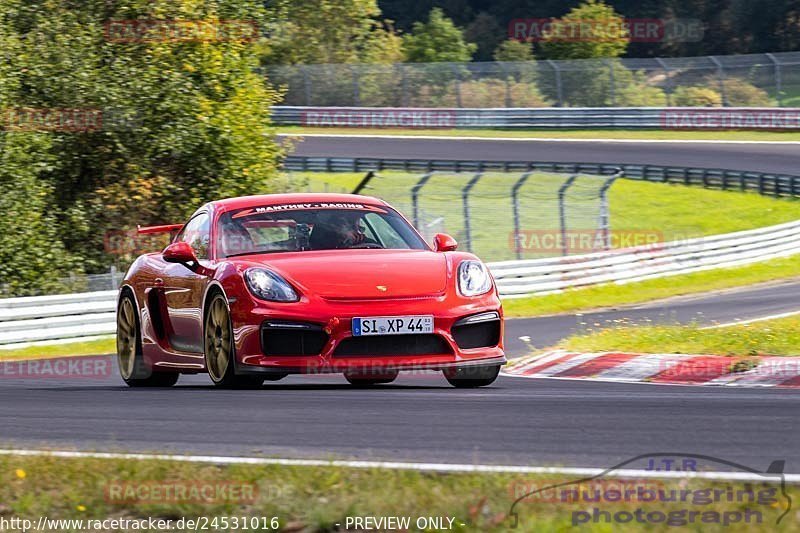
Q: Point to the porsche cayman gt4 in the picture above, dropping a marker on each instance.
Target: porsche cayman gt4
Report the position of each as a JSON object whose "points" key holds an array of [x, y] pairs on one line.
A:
{"points": [[257, 288]]}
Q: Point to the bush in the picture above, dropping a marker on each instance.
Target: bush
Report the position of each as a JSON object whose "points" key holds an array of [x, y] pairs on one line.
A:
{"points": [[696, 97], [481, 93], [743, 94]]}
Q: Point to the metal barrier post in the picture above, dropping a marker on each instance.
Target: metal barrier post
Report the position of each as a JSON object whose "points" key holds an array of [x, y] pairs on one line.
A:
{"points": [[670, 81], [356, 85], [364, 181], [457, 82], [611, 88], [778, 78], [306, 84], [465, 202], [605, 225], [414, 197], [515, 209], [562, 215], [559, 88], [721, 80]]}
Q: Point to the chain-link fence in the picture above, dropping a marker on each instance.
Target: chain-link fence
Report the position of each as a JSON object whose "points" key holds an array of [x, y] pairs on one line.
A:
{"points": [[497, 215], [758, 80]]}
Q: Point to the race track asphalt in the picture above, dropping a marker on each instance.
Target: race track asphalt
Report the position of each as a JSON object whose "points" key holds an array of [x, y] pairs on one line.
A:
{"points": [[420, 417], [756, 157]]}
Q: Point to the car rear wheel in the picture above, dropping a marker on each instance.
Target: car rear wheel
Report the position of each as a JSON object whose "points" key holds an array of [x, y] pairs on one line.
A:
{"points": [[368, 380], [472, 376], [220, 351], [132, 368]]}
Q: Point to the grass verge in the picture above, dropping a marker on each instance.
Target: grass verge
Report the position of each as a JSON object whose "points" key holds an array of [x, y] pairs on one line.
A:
{"points": [[725, 135], [604, 296], [769, 337], [93, 347], [318, 499]]}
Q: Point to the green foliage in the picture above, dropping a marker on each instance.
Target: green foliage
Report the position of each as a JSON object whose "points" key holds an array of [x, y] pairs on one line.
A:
{"points": [[329, 31], [609, 42], [607, 83], [512, 50], [482, 93], [437, 40], [195, 118], [696, 97], [744, 94]]}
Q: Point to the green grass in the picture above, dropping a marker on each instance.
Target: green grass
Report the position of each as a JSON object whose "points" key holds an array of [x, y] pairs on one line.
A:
{"points": [[316, 499], [604, 296], [769, 337], [727, 135], [651, 210], [93, 347]]}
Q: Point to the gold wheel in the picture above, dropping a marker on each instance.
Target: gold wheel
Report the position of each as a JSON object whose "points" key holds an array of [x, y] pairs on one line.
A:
{"points": [[126, 338], [218, 346]]}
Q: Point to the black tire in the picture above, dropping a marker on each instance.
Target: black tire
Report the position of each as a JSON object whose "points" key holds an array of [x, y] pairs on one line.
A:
{"points": [[132, 369], [367, 380], [470, 377], [219, 348]]}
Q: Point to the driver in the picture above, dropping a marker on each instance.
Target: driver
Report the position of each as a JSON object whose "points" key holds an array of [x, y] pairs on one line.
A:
{"points": [[338, 229]]}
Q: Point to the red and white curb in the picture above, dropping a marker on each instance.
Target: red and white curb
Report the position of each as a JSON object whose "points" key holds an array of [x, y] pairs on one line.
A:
{"points": [[678, 369]]}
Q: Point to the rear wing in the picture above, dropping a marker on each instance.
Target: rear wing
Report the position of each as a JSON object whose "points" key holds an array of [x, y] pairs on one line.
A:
{"points": [[151, 230]]}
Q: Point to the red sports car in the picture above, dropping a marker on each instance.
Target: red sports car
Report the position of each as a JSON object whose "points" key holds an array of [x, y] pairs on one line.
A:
{"points": [[256, 288]]}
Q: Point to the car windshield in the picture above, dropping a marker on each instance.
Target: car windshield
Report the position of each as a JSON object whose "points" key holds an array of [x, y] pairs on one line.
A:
{"points": [[304, 227]]}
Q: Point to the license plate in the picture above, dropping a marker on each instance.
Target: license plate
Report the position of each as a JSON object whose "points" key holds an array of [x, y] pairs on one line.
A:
{"points": [[391, 325]]}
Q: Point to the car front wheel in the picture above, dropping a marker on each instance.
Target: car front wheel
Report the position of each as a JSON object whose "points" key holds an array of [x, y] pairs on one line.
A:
{"points": [[472, 376], [219, 349]]}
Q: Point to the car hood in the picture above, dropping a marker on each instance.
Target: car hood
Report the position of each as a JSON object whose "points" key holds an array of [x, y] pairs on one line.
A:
{"points": [[349, 274]]}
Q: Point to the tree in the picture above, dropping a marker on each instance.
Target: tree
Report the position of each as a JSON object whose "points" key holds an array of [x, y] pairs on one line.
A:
{"points": [[328, 31], [184, 121], [590, 30], [438, 40], [513, 50], [487, 33]]}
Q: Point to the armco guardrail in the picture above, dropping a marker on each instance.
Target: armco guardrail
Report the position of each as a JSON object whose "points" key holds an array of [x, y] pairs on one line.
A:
{"points": [[548, 276], [767, 184], [47, 318], [695, 118], [58, 317]]}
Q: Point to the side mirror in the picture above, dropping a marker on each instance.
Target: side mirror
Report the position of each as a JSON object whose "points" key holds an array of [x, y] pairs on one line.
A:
{"points": [[443, 242], [181, 252]]}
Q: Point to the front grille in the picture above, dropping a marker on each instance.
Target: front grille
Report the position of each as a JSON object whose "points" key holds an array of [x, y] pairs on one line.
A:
{"points": [[477, 334], [380, 345], [292, 338]]}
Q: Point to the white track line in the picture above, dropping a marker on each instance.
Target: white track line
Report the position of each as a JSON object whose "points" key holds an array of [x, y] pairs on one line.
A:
{"points": [[530, 139], [753, 320], [392, 465]]}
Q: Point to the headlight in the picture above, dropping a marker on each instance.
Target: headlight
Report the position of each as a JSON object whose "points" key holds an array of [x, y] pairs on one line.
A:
{"points": [[473, 278], [267, 285]]}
